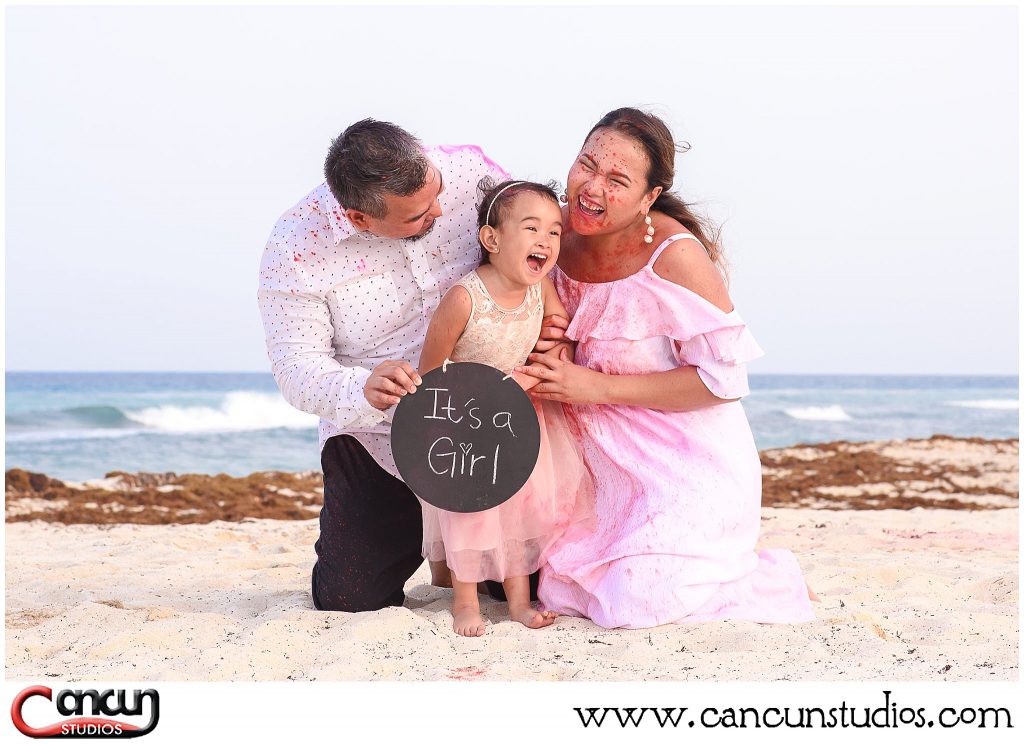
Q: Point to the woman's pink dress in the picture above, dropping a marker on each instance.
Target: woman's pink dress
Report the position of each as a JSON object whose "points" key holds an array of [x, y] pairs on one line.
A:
{"points": [[512, 539], [678, 494]]}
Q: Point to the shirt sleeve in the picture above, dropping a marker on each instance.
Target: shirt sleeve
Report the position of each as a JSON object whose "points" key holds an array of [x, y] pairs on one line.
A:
{"points": [[492, 169], [474, 163], [299, 336]]}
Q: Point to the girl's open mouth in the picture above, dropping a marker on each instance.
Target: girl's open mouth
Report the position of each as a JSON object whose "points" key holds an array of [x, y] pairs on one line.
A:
{"points": [[536, 262]]}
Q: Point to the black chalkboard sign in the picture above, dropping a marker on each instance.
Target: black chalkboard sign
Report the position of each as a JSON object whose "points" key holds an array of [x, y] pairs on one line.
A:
{"points": [[466, 440]]}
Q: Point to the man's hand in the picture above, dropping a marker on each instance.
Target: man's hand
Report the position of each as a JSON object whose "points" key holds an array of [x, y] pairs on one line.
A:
{"points": [[389, 382], [552, 332]]}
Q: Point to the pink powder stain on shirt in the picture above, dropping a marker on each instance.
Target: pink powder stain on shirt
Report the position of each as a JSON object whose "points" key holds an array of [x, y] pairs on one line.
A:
{"points": [[289, 315], [449, 149], [568, 291]]}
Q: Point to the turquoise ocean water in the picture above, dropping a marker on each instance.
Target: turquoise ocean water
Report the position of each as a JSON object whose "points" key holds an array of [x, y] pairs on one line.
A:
{"points": [[83, 425]]}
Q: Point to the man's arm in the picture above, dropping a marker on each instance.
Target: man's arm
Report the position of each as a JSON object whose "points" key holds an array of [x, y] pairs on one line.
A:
{"points": [[300, 335]]}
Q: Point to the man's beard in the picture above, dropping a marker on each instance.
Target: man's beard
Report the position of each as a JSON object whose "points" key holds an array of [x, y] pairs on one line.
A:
{"points": [[425, 233]]}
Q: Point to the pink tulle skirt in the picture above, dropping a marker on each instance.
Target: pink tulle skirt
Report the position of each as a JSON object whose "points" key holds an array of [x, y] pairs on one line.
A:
{"points": [[512, 539]]}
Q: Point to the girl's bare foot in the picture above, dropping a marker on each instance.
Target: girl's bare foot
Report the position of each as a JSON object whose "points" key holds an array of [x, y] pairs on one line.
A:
{"points": [[810, 593], [530, 617], [517, 591], [467, 621], [466, 618]]}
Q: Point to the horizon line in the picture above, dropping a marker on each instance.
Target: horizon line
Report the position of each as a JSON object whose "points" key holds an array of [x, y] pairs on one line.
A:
{"points": [[267, 372]]}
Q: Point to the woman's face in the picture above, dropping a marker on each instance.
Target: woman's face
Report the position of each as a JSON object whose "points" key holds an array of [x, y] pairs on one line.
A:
{"points": [[607, 185]]}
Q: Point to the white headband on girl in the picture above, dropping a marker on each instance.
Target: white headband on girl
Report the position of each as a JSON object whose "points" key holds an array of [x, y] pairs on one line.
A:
{"points": [[487, 219]]}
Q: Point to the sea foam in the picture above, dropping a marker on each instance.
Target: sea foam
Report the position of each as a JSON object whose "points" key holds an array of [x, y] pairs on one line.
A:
{"points": [[999, 404], [239, 411], [818, 413]]}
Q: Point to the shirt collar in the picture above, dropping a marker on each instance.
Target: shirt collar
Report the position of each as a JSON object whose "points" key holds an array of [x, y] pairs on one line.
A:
{"points": [[341, 228]]}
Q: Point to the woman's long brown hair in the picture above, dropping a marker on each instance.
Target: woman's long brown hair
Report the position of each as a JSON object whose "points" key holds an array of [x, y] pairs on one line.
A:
{"points": [[657, 141]]}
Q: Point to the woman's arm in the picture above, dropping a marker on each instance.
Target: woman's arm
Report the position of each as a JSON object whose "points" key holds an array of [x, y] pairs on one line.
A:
{"points": [[681, 389], [446, 327]]}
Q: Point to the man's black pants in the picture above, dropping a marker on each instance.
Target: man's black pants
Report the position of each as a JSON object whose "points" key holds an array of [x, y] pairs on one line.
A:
{"points": [[371, 533]]}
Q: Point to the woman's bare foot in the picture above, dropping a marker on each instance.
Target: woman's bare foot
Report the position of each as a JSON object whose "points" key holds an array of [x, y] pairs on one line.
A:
{"points": [[467, 621], [810, 593], [439, 574], [530, 617]]}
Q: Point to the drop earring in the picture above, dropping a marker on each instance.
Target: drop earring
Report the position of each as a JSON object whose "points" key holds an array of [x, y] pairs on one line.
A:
{"points": [[649, 237], [564, 198]]}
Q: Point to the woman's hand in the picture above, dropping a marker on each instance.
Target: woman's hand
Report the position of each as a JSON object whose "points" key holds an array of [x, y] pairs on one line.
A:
{"points": [[552, 332], [563, 381]]}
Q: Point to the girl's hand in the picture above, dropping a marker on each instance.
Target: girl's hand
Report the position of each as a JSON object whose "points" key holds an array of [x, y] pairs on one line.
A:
{"points": [[525, 381], [563, 381]]}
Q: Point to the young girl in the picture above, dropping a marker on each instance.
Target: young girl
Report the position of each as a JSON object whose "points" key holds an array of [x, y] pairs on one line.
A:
{"points": [[493, 316]]}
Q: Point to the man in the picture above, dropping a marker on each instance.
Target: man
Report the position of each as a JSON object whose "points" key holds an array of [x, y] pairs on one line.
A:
{"points": [[349, 279]]}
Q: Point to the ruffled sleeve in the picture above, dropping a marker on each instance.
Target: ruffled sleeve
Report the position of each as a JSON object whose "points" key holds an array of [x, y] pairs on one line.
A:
{"points": [[720, 356], [645, 306]]}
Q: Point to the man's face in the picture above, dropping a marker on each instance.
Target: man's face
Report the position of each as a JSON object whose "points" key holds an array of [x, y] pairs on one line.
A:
{"points": [[407, 216]]}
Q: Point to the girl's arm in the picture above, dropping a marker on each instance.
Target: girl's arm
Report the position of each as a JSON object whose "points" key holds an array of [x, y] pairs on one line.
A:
{"points": [[446, 327], [552, 307]]}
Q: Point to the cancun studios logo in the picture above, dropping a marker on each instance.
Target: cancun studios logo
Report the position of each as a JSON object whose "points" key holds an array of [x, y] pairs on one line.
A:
{"points": [[106, 703]]}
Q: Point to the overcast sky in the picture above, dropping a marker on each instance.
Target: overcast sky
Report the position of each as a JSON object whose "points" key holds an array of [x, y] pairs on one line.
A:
{"points": [[864, 161]]}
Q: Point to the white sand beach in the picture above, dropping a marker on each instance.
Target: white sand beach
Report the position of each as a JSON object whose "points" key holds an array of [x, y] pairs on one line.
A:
{"points": [[907, 594]]}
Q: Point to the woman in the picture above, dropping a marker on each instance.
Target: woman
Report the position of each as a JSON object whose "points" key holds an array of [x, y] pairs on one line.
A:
{"points": [[654, 397]]}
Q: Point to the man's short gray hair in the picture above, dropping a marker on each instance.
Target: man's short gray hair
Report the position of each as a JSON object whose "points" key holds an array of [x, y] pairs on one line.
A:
{"points": [[373, 158]]}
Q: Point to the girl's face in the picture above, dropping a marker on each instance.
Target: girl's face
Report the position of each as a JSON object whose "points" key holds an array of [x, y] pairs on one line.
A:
{"points": [[607, 185], [524, 248]]}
